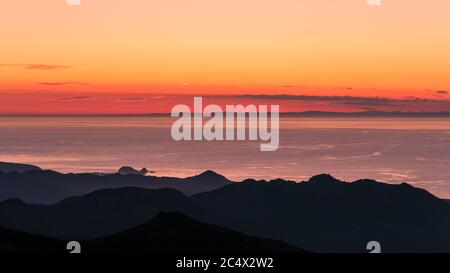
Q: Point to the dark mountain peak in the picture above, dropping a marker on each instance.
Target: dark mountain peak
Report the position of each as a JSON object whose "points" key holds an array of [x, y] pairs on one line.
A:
{"points": [[273, 181], [323, 179], [8, 167], [129, 170], [280, 180], [170, 232], [368, 182], [406, 185], [210, 174], [251, 180], [209, 177], [15, 202], [171, 217]]}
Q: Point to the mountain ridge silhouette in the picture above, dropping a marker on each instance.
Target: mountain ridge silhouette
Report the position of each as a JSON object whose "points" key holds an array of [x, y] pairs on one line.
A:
{"points": [[8, 167], [323, 214], [166, 233], [173, 232], [49, 187], [99, 213]]}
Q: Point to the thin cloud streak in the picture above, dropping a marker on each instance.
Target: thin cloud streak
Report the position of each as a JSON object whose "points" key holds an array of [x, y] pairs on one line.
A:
{"points": [[62, 83], [36, 66], [77, 98], [130, 100], [340, 99]]}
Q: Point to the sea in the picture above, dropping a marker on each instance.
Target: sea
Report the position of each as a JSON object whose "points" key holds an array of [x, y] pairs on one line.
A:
{"points": [[389, 149]]}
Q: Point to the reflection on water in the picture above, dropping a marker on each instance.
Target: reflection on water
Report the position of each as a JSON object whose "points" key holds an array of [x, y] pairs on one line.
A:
{"points": [[416, 150]]}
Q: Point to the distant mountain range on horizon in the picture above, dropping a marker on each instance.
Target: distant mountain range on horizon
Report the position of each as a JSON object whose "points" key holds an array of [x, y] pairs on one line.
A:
{"points": [[8, 167], [305, 113], [20, 181], [322, 214], [368, 114]]}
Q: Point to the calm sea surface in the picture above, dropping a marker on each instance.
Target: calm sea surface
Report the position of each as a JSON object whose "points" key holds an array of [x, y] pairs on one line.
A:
{"points": [[394, 150]]}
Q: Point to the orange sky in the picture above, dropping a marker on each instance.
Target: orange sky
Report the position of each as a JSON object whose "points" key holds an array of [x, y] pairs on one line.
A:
{"points": [[92, 58]]}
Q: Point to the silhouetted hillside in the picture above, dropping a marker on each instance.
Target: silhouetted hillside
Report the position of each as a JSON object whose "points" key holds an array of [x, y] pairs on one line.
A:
{"points": [[167, 233], [99, 213], [327, 215], [48, 187], [129, 170], [18, 242], [321, 215], [177, 233], [7, 167]]}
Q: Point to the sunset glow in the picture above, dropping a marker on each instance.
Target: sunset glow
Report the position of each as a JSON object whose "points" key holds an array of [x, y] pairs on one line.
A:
{"points": [[117, 57]]}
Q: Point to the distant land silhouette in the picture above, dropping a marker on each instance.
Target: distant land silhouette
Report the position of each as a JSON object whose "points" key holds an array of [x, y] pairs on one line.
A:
{"points": [[305, 113], [12, 241], [177, 233], [48, 187], [368, 114], [129, 170], [328, 215], [322, 214], [165, 233], [7, 167], [100, 213]]}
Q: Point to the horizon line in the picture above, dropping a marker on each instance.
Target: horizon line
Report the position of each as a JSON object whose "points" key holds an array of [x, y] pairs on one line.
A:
{"points": [[305, 113]]}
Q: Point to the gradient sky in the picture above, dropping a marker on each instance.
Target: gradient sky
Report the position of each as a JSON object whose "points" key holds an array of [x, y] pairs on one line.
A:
{"points": [[143, 56]]}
